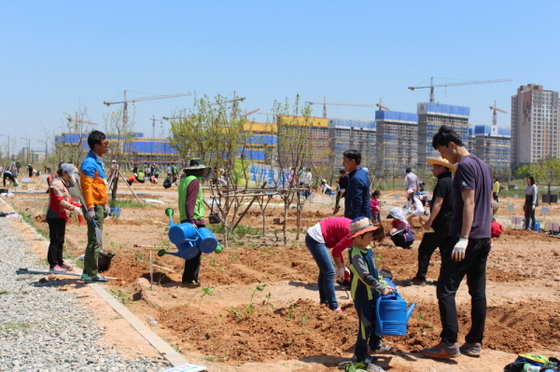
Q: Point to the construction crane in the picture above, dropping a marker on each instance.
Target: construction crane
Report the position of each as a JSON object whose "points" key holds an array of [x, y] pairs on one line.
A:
{"points": [[325, 103], [211, 104], [432, 86], [495, 115], [125, 102], [154, 125], [244, 115], [381, 107], [81, 121]]}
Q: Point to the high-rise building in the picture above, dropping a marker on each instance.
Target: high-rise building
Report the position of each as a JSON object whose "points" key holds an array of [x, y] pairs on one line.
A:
{"points": [[433, 115], [534, 125], [493, 145], [347, 134], [397, 141]]}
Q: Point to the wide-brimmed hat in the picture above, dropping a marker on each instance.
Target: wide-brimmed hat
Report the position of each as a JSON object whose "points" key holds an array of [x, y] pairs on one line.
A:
{"points": [[68, 168], [361, 225], [410, 191], [195, 164], [441, 161], [397, 213]]}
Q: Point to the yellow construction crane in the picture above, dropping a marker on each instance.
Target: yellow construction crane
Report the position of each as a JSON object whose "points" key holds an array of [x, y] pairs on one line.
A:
{"points": [[432, 86], [81, 121], [495, 115], [125, 102], [325, 103]]}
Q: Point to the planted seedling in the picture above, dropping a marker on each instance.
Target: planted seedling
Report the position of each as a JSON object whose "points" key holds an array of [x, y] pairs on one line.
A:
{"points": [[205, 292]]}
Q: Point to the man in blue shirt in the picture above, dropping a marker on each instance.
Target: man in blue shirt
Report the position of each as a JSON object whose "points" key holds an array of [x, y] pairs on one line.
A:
{"points": [[356, 200], [467, 248]]}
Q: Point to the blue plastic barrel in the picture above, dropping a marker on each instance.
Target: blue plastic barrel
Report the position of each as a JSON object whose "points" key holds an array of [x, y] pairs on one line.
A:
{"points": [[207, 242], [184, 232]]}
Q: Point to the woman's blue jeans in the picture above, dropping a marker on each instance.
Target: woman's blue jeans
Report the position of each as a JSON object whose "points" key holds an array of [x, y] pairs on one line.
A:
{"points": [[320, 253]]}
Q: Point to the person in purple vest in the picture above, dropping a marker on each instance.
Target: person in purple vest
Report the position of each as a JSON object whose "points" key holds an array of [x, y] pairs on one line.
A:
{"points": [[467, 248]]}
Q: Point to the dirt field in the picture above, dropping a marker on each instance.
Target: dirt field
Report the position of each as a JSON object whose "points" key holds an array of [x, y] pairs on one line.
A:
{"points": [[257, 308]]}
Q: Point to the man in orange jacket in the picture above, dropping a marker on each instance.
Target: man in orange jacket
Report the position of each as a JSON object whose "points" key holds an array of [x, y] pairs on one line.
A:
{"points": [[94, 191]]}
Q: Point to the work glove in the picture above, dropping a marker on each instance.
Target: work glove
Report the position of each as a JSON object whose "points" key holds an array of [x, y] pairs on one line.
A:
{"points": [[90, 214], [78, 211], [106, 210], [458, 253], [340, 272], [533, 207]]}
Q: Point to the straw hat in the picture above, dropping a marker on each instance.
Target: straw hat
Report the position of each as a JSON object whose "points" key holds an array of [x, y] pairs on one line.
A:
{"points": [[361, 225], [196, 163], [441, 161]]}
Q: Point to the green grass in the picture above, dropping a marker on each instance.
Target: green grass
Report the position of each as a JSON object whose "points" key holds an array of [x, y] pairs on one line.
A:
{"points": [[27, 218], [128, 204], [15, 326], [124, 297], [245, 230]]}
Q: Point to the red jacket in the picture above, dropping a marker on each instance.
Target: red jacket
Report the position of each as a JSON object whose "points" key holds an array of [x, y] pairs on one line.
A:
{"points": [[60, 199], [495, 229]]}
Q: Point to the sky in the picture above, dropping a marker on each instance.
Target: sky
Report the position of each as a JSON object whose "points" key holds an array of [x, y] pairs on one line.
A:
{"points": [[62, 57]]}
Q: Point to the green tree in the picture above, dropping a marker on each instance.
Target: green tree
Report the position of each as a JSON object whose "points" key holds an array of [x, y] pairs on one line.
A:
{"points": [[216, 132], [124, 131], [546, 172], [293, 135]]}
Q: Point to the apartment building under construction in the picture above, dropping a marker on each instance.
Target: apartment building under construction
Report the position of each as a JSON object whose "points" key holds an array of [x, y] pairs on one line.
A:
{"points": [[431, 116], [397, 141], [345, 134], [493, 145]]}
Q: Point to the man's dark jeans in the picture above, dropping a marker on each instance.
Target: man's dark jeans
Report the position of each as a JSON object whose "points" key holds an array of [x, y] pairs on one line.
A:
{"points": [[451, 274]]}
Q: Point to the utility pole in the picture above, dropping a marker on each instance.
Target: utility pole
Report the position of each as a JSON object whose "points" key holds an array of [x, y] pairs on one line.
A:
{"points": [[154, 125], [6, 135], [28, 149]]}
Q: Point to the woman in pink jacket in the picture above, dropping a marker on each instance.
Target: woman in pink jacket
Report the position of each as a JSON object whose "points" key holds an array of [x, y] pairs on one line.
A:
{"points": [[331, 233], [59, 205]]}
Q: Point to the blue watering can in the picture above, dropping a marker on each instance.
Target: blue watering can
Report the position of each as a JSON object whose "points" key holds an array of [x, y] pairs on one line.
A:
{"points": [[392, 314], [190, 241]]}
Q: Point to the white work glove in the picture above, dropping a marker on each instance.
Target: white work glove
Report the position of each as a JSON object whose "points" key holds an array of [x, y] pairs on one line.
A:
{"points": [[78, 211], [340, 272], [533, 208], [90, 214], [458, 253]]}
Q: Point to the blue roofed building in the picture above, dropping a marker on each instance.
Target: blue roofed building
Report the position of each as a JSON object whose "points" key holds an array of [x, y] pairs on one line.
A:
{"points": [[346, 134], [493, 145]]}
